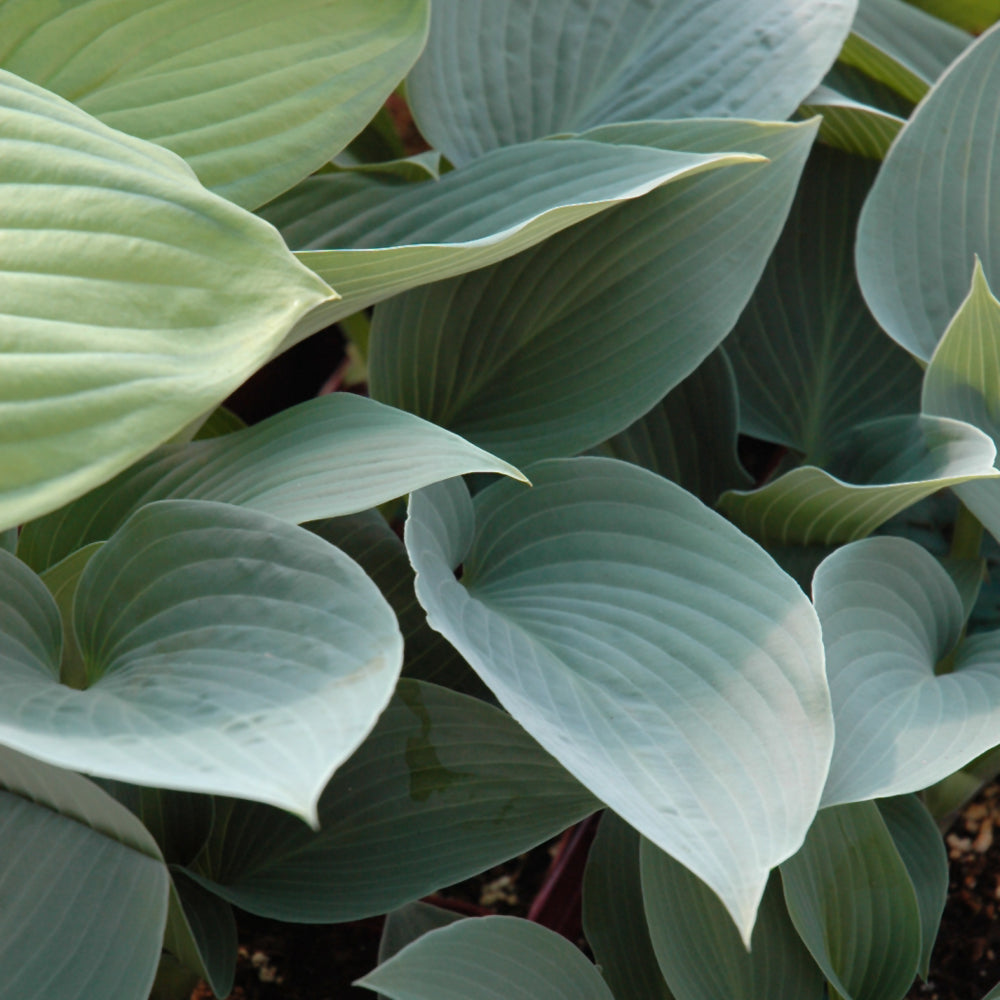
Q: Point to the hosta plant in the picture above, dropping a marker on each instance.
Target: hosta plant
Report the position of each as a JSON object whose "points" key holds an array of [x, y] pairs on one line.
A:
{"points": [[681, 341]]}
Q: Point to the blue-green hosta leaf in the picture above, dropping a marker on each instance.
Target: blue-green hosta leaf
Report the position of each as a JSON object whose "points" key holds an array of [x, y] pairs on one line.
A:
{"points": [[690, 436], [641, 295], [890, 614], [500, 72], [225, 652], [972, 15], [614, 920], [934, 205], [330, 456], [879, 469], [254, 96], [410, 922], [84, 888], [921, 846], [489, 958], [133, 299], [810, 360], [699, 951], [444, 787], [901, 46], [375, 236], [652, 648], [851, 125], [963, 381], [851, 900]]}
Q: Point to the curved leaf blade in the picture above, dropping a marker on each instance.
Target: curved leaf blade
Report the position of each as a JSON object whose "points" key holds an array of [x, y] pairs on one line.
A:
{"points": [[444, 787], [851, 900], [578, 593], [647, 291], [880, 469], [134, 300], [327, 457], [89, 886], [932, 208], [375, 238], [254, 96], [488, 77], [890, 614], [471, 960], [699, 951], [851, 125], [225, 652]]}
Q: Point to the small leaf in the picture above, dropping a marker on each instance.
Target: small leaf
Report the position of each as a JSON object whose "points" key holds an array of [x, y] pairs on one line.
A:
{"points": [[972, 15], [934, 204], [326, 457], [254, 97], [851, 900], [878, 470], [444, 787], [613, 917], [506, 71], [134, 299], [851, 125], [471, 960], [85, 889], [183, 618], [592, 605], [700, 953], [890, 615]]}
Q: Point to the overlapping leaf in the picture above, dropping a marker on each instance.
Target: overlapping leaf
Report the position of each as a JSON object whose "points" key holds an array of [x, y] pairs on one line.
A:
{"points": [[84, 885], [851, 125], [972, 15], [334, 455], [224, 651], [471, 960], [133, 299], [254, 96], [664, 280], [879, 469], [902, 46], [659, 654], [374, 237], [444, 787], [853, 904], [699, 951], [890, 615], [933, 207], [506, 71]]}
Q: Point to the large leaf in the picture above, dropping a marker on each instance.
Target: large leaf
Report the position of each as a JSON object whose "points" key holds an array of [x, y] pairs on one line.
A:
{"points": [[690, 436], [472, 960], [876, 471], [334, 455], [934, 205], [700, 953], [640, 294], [853, 904], [374, 237], [810, 360], [505, 71], [660, 655], [225, 651], [254, 96], [84, 888], [444, 787], [901, 46], [973, 15], [963, 381], [614, 920], [134, 300], [921, 846], [890, 615]]}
